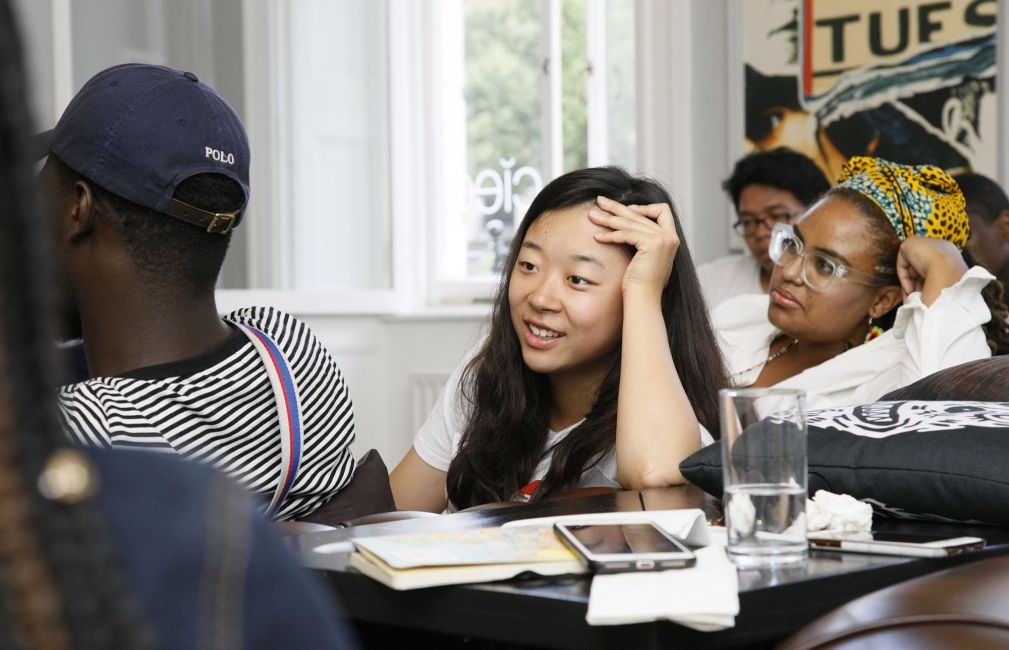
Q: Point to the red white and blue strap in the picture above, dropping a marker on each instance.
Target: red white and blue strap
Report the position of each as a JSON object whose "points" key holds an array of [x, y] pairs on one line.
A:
{"points": [[285, 394]]}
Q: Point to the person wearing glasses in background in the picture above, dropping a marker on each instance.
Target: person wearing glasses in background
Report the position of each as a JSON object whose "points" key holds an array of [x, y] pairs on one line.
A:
{"points": [[872, 289], [766, 187]]}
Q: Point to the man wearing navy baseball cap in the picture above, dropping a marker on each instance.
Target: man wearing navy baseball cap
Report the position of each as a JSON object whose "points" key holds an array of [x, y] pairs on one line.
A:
{"points": [[147, 173]]}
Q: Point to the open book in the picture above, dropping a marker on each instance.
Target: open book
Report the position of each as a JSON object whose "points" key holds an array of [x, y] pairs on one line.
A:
{"points": [[455, 557]]}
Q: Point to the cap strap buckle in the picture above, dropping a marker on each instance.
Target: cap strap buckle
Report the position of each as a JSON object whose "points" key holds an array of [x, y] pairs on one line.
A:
{"points": [[222, 223], [216, 223]]}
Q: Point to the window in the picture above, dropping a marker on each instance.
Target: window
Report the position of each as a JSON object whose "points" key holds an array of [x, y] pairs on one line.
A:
{"points": [[528, 91]]}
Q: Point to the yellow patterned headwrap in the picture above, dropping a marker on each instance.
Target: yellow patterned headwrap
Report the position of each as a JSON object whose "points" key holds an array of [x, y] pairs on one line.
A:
{"points": [[922, 200]]}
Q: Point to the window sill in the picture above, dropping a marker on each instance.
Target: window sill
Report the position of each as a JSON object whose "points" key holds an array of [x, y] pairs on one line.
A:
{"points": [[385, 305], [476, 311]]}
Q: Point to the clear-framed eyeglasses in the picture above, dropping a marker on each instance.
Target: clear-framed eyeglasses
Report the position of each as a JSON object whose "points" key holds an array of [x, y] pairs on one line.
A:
{"points": [[819, 270], [749, 224]]}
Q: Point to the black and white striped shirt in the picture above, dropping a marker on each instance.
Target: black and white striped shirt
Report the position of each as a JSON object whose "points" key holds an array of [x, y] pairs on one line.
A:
{"points": [[219, 409]]}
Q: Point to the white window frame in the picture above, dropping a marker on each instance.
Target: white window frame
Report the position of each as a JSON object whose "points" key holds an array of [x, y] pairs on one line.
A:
{"points": [[551, 81], [598, 100]]}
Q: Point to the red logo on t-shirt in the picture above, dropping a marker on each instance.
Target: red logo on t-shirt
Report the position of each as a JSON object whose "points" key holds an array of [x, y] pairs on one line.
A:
{"points": [[530, 488]]}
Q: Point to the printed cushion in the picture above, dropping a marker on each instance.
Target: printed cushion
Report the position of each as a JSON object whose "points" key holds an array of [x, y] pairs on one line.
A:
{"points": [[910, 459]]}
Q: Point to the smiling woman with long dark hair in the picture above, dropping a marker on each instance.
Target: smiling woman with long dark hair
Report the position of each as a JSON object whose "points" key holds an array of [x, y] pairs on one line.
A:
{"points": [[600, 367], [872, 290]]}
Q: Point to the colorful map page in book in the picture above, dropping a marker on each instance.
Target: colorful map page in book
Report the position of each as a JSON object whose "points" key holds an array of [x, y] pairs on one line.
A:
{"points": [[478, 546]]}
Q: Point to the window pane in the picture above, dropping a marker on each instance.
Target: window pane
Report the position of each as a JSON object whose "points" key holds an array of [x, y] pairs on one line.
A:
{"points": [[621, 83], [575, 83], [501, 83], [339, 221], [503, 142]]}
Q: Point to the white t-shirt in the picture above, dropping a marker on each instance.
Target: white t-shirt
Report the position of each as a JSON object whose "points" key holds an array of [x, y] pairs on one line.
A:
{"points": [[729, 276], [922, 341], [437, 442]]}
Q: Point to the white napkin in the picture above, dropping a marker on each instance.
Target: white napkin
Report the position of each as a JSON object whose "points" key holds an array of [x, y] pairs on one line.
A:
{"points": [[704, 597], [829, 511]]}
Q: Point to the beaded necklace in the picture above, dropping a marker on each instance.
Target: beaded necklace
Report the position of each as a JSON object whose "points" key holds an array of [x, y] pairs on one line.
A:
{"points": [[769, 359]]}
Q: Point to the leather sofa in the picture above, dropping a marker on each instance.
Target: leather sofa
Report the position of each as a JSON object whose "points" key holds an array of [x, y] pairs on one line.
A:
{"points": [[963, 607]]}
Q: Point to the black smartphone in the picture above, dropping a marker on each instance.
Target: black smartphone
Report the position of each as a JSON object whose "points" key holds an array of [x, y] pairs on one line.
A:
{"points": [[611, 548], [886, 543]]}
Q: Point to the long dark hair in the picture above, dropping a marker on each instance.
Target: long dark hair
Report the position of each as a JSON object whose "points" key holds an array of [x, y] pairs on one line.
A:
{"points": [[59, 587], [887, 245], [507, 429]]}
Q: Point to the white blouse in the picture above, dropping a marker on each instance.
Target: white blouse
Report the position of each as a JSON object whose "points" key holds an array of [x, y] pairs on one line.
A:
{"points": [[922, 341]]}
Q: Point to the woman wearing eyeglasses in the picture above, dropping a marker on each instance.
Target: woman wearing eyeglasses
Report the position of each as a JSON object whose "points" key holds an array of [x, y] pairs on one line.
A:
{"points": [[870, 291]]}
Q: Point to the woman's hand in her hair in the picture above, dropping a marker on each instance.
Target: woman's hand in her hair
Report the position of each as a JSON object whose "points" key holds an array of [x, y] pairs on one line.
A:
{"points": [[650, 229], [928, 265], [656, 424]]}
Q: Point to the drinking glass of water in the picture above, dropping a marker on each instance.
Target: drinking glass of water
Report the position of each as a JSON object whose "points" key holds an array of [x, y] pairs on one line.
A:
{"points": [[764, 472]]}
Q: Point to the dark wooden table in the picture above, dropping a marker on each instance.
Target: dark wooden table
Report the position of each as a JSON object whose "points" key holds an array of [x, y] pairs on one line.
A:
{"points": [[551, 613]]}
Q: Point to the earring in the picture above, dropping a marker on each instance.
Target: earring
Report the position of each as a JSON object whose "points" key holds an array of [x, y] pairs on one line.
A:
{"points": [[874, 331]]}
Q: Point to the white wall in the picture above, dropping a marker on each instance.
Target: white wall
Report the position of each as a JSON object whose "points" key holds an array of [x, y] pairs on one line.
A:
{"points": [[712, 153], [35, 22], [377, 356], [683, 113]]}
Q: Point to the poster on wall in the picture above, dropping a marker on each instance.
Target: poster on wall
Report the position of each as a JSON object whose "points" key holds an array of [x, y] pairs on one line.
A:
{"points": [[912, 81]]}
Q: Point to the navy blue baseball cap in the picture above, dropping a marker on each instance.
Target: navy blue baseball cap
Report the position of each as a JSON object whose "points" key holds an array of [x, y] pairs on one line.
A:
{"points": [[138, 130]]}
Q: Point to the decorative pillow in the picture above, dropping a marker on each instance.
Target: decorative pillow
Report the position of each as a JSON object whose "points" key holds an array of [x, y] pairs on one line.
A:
{"points": [[981, 380], [912, 459]]}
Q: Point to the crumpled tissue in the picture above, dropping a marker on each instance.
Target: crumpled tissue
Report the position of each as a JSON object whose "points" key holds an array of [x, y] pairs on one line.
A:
{"points": [[829, 511]]}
